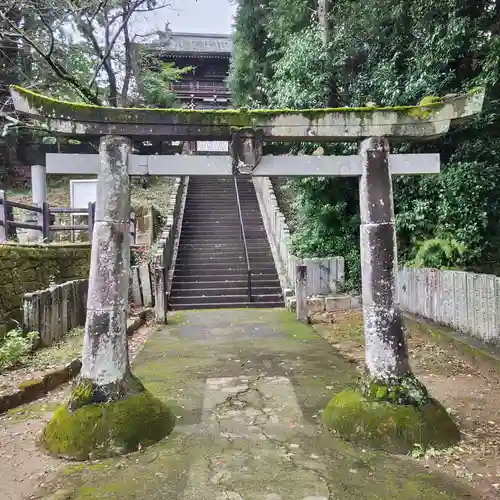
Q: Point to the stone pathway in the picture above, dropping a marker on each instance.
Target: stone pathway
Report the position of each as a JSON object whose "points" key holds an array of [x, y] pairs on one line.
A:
{"points": [[248, 387]]}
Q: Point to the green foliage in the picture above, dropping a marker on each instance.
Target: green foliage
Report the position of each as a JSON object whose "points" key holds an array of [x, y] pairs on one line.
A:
{"points": [[392, 53], [155, 85], [302, 75], [249, 65], [440, 254], [15, 346]]}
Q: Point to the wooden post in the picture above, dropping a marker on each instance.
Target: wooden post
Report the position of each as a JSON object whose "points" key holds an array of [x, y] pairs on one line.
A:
{"points": [[91, 218], [4, 224], [9, 216], [301, 293], [133, 229], [45, 222]]}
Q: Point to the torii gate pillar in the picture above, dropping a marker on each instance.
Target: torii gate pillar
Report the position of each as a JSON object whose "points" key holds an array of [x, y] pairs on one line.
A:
{"points": [[386, 354]]}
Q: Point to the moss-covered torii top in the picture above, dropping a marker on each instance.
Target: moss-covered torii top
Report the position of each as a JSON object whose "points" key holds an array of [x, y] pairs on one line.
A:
{"points": [[433, 117]]}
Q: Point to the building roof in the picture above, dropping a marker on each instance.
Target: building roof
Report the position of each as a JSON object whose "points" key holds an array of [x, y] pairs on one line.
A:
{"points": [[198, 44]]}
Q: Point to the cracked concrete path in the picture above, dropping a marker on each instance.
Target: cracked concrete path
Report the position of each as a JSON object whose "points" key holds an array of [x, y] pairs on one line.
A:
{"points": [[248, 387]]}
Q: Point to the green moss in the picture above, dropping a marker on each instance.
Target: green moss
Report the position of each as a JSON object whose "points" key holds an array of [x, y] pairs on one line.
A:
{"points": [[476, 90], [407, 390], [30, 411], [27, 268], [30, 382], [104, 430], [426, 107], [431, 99], [82, 394], [290, 326], [176, 318], [391, 427]]}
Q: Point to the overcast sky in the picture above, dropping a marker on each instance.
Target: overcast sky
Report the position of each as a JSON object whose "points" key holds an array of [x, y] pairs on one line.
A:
{"points": [[195, 16]]}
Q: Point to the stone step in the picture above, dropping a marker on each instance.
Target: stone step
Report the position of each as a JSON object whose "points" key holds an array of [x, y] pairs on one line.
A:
{"points": [[204, 285], [228, 305], [203, 221], [258, 244], [221, 227], [232, 299], [222, 213], [211, 231], [223, 260], [211, 269], [235, 265], [237, 252], [221, 238], [217, 292], [186, 274]]}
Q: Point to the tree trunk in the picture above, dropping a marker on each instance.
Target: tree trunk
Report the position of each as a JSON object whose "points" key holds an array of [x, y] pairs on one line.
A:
{"points": [[105, 361], [323, 8], [386, 353]]}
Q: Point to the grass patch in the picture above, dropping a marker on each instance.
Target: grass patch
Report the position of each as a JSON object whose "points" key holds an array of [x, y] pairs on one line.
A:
{"points": [[60, 353]]}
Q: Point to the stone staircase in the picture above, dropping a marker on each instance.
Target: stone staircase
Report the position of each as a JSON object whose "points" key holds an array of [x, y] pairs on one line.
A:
{"points": [[211, 269]]}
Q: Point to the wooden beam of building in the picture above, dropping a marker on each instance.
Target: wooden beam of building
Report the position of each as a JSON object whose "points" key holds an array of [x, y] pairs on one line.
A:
{"points": [[286, 166]]}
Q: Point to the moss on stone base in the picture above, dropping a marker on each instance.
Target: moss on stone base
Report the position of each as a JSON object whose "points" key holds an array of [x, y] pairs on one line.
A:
{"points": [[407, 390], [104, 430], [391, 427]]}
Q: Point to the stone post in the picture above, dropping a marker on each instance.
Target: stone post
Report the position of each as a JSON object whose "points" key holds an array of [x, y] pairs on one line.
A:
{"points": [[105, 362], [386, 353], [301, 294], [38, 198]]}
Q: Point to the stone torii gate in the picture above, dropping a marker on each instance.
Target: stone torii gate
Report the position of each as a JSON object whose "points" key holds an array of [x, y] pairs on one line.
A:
{"points": [[386, 354]]}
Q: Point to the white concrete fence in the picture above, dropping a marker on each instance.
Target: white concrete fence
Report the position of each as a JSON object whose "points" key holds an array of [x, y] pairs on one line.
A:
{"points": [[323, 275], [55, 311], [466, 302]]}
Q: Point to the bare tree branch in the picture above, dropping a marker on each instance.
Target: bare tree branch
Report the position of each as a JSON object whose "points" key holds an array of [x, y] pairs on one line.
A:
{"points": [[51, 34], [112, 42], [128, 60], [58, 69]]}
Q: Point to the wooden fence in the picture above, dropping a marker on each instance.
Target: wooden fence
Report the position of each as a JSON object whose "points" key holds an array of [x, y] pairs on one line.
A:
{"points": [[466, 302], [45, 218]]}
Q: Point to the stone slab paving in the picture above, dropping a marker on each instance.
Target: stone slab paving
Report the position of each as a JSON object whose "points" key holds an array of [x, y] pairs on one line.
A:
{"points": [[248, 387], [256, 422]]}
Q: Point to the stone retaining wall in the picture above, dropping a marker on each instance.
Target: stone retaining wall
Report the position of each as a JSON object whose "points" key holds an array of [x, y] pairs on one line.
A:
{"points": [[28, 268], [323, 274]]}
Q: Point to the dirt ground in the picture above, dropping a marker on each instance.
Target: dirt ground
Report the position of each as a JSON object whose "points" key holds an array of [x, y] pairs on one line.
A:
{"points": [[23, 467], [471, 399]]}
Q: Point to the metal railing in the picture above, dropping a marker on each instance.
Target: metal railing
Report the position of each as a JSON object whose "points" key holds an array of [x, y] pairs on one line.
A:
{"points": [[243, 237], [196, 86]]}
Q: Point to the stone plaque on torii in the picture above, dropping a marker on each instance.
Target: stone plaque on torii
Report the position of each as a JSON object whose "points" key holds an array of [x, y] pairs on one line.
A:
{"points": [[386, 354]]}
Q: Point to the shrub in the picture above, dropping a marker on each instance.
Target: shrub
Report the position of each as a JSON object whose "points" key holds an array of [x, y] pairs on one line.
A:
{"points": [[15, 346]]}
